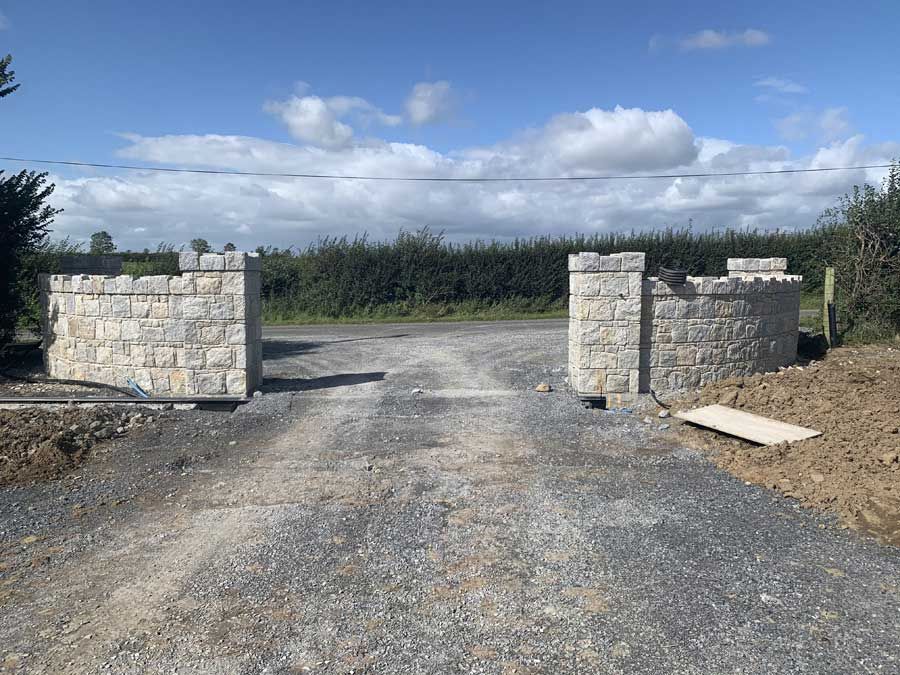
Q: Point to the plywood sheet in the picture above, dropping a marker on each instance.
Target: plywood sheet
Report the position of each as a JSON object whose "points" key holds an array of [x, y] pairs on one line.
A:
{"points": [[756, 428]]}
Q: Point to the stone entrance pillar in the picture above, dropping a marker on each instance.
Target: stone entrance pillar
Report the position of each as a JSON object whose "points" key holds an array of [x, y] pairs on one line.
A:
{"points": [[605, 325]]}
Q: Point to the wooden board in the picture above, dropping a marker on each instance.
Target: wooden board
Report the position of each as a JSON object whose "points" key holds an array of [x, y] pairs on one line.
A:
{"points": [[746, 425]]}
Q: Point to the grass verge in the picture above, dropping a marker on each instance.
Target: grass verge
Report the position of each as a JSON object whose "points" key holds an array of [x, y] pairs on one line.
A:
{"points": [[274, 315], [811, 299]]}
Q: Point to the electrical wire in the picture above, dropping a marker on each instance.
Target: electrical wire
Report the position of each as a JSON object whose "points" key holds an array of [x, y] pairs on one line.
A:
{"points": [[439, 179]]}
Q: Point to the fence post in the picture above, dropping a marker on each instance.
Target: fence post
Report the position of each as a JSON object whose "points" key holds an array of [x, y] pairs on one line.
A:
{"points": [[828, 300]]}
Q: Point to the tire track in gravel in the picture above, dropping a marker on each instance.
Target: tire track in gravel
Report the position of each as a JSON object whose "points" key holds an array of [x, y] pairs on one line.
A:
{"points": [[479, 527], [130, 592]]}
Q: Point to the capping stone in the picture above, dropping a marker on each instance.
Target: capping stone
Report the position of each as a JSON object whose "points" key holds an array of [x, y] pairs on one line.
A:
{"points": [[633, 262], [584, 262], [212, 262], [188, 261]]}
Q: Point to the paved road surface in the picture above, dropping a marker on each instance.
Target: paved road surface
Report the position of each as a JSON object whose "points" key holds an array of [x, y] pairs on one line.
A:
{"points": [[477, 526]]}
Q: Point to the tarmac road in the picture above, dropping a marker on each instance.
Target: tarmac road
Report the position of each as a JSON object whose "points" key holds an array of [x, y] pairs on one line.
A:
{"points": [[401, 501]]}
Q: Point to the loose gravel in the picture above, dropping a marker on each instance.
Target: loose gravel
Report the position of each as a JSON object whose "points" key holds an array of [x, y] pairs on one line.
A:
{"points": [[401, 500]]}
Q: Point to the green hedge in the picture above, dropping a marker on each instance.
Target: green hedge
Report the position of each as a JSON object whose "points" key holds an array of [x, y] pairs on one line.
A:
{"points": [[341, 277], [421, 274]]}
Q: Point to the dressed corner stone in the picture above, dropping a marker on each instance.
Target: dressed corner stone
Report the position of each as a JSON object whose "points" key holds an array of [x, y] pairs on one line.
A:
{"points": [[235, 261], [188, 261], [632, 262], [212, 262], [584, 262], [610, 263]]}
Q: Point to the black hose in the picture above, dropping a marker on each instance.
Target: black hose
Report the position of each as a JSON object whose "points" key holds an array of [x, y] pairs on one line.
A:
{"points": [[80, 383], [660, 403]]}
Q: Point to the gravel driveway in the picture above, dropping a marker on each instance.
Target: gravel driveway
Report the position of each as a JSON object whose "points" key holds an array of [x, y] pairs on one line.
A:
{"points": [[348, 522]]}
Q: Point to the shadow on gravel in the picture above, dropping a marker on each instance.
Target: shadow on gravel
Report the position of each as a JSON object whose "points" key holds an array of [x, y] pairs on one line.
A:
{"points": [[276, 384], [371, 337], [283, 349]]}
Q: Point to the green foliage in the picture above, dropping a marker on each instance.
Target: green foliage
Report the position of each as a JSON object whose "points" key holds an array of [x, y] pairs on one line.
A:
{"points": [[421, 273], [229, 247], [24, 221], [164, 261], [7, 77], [867, 259], [102, 243], [200, 246], [44, 257]]}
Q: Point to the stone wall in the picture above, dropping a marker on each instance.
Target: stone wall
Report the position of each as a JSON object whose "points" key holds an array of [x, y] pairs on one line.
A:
{"points": [[195, 334], [628, 335]]}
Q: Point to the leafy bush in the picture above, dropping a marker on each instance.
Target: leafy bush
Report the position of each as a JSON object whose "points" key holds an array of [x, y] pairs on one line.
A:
{"points": [[149, 264], [867, 259], [24, 221], [44, 257]]}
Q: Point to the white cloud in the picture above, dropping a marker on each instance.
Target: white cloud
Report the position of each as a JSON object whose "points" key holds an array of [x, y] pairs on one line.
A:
{"points": [[345, 105], [781, 85], [718, 39], [283, 211], [309, 119], [834, 123], [430, 102], [597, 140], [828, 125], [317, 121], [4, 22]]}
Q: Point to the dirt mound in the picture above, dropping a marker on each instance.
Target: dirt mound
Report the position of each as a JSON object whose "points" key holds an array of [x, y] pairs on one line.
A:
{"points": [[853, 468], [45, 442]]}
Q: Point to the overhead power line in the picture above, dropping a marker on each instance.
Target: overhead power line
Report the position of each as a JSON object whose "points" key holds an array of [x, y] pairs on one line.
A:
{"points": [[438, 179]]}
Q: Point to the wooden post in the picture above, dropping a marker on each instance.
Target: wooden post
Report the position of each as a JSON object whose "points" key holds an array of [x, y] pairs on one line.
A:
{"points": [[827, 300]]}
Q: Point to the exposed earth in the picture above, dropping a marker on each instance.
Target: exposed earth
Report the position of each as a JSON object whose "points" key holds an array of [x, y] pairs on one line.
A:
{"points": [[853, 468], [45, 442], [401, 500]]}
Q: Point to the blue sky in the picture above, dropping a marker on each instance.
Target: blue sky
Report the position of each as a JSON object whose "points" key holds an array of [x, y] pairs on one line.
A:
{"points": [[502, 88]]}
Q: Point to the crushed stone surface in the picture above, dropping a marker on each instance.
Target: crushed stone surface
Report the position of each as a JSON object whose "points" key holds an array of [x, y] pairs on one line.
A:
{"points": [[476, 526], [853, 469]]}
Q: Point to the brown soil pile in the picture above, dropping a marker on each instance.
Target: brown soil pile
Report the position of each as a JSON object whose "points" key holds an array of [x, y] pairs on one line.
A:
{"points": [[45, 442], [853, 468]]}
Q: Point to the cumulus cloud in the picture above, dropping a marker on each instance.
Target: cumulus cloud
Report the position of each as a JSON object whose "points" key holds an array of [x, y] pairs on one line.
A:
{"points": [[430, 102], [720, 39], [309, 119], [365, 111], [781, 85], [317, 121], [281, 211], [825, 126], [602, 140]]}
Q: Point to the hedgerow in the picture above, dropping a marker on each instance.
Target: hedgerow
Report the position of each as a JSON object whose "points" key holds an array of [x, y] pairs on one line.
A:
{"points": [[337, 277]]}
